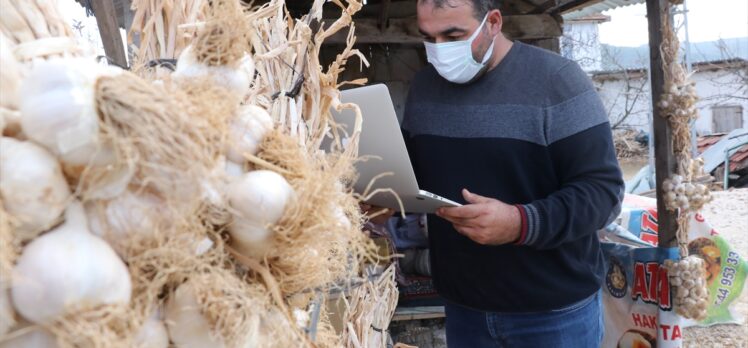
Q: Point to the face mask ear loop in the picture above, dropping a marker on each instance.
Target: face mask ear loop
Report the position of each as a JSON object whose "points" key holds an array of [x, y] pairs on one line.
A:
{"points": [[487, 55]]}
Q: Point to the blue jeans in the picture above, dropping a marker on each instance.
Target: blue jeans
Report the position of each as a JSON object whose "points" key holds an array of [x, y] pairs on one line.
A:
{"points": [[577, 326]]}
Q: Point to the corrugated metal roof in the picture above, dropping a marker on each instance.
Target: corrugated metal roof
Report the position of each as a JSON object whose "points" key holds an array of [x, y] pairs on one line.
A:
{"points": [[599, 7], [737, 159]]}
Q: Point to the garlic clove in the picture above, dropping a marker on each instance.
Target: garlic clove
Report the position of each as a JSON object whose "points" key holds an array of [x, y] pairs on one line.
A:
{"points": [[247, 132], [32, 186], [187, 326], [153, 333], [235, 80], [125, 219], [260, 196], [68, 268]]}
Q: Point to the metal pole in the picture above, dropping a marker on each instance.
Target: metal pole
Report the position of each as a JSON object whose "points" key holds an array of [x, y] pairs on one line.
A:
{"points": [[689, 67]]}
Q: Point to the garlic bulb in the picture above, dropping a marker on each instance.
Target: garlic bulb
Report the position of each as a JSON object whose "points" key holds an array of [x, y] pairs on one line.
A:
{"points": [[153, 333], [259, 199], [32, 186], [58, 110], [247, 132], [68, 268], [127, 216], [186, 324], [235, 80], [35, 337]]}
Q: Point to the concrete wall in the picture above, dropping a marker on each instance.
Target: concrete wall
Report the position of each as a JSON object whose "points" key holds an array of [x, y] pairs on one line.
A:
{"points": [[714, 87], [581, 44]]}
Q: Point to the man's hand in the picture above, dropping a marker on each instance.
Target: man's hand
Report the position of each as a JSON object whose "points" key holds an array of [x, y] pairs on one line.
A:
{"points": [[377, 215], [485, 220]]}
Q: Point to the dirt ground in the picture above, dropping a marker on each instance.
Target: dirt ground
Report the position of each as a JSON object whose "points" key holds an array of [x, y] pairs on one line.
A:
{"points": [[728, 214]]}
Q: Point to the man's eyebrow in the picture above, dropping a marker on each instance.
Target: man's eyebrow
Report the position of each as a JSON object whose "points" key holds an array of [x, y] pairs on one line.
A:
{"points": [[453, 30], [446, 32]]}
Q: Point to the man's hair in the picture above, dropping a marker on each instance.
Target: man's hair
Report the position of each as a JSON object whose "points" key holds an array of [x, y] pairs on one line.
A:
{"points": [[480, 7]]}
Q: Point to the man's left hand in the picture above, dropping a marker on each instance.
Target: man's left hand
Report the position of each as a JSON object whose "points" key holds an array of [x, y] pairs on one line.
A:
{"points": [[485, 220]]}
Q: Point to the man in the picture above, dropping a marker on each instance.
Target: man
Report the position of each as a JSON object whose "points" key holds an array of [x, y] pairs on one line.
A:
{"points": [[520, 136]]}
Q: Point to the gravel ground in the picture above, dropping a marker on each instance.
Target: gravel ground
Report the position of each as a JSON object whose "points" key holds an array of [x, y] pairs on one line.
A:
{"points": [[728, 214]]}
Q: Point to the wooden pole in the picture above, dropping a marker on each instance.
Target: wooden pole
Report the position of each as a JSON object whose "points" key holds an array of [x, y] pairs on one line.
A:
{"points": [[106, 18], [663, 148]]}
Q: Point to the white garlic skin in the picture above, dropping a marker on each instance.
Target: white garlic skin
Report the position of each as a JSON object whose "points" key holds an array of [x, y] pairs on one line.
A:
{"points": [[32, 186], [58, 107]]}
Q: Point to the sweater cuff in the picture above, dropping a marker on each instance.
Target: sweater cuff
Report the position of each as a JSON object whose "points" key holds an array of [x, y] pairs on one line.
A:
{"points": [[530, 224], [523, 224]]}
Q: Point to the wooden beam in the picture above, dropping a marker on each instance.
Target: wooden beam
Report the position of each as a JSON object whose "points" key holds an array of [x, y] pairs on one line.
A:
{"points": [[405, 31], [526, 27], [663, 148], [384, 14], [395, 9], [562, 6], [106, 18], [418, 313]]}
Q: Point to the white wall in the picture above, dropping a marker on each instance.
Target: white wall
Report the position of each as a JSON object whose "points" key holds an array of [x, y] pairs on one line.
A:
{"points": [[581, 44], [714, 88]]}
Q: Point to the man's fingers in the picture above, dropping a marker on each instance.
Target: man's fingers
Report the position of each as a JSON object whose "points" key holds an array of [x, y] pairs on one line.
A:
{"points": [[461, 221], [469, 211], [473, 198]]}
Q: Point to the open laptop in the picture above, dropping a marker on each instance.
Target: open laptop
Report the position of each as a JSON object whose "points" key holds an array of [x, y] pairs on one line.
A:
{"points": [[382, 139]]}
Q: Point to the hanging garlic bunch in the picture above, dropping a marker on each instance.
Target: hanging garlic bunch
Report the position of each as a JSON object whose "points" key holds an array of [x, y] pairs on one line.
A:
{"points": [[679, 101], [680, 194], [687, 277]]}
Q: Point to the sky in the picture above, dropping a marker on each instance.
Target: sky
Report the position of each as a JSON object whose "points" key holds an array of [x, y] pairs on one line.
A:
{"points": [[85, 27], [708, 20]]}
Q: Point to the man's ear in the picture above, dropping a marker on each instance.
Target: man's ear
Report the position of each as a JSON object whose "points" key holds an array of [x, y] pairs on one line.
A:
{"points": [[495, 22]]}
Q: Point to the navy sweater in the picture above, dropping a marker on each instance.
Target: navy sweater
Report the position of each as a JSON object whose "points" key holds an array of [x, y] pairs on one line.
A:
{"points": [[531, 132]]}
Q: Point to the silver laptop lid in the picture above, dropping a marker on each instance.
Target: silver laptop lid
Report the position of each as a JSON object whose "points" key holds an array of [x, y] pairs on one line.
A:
{"points": [[381, 138]]}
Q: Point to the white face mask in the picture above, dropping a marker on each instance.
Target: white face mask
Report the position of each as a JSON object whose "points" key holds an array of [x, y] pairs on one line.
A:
{"points": [[454, 60]]}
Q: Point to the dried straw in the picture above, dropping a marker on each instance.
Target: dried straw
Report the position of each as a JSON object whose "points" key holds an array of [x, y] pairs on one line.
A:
{"points": [[291, 83], [222, 41], [100, 327], [370, 311], [160, 26], [38, 30]]}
